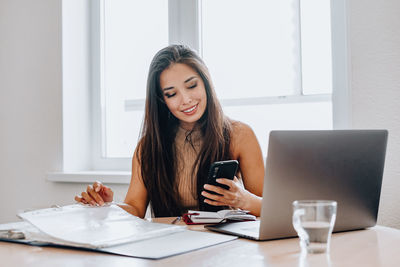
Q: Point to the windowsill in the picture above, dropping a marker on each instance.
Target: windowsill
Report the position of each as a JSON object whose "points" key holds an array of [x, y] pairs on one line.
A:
{"points": [[109, 177]]}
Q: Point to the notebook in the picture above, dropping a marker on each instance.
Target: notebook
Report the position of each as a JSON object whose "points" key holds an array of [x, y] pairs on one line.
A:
{"points": [[342, 165], [204, 217]]}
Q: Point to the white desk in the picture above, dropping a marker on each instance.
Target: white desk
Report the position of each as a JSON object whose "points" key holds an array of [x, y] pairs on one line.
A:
{"points": [[378, 246]]}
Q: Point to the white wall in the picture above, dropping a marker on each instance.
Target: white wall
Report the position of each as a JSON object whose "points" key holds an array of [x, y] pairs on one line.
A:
{"points": [[31, 99], [374, 31]]}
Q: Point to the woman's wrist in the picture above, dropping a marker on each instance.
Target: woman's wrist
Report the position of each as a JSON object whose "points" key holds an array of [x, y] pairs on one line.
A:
{"points": [[252, 203], [131, 209]]}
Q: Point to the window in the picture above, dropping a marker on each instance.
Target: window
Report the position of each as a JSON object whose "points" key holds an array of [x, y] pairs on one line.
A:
{"points": [[271, 63], [133, 32]]}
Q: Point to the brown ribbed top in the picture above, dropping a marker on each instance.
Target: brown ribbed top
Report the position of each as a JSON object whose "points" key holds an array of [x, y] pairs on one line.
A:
{"points": [[187, 147]]}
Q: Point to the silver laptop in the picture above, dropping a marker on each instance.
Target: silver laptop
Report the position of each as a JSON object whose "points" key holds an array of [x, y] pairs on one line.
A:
{"points": [[342, 165]]}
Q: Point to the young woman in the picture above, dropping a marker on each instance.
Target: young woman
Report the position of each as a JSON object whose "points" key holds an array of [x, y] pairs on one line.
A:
{"points": [[184, 132]]}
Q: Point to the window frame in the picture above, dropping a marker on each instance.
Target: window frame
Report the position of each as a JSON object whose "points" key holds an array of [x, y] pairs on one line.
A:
{"points": [[185, 27]]}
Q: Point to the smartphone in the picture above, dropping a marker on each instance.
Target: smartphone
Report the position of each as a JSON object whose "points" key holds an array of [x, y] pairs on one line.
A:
{"points": [[222, 169]]}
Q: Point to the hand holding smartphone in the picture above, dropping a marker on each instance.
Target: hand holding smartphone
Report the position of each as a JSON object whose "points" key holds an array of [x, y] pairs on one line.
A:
{"points": [[222, 169]]}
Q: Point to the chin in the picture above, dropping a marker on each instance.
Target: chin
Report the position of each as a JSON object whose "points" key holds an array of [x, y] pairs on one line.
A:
{"points": [[192, 119]]}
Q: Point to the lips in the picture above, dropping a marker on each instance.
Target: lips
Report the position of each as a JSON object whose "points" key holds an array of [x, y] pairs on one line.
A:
{"points": [[190, 110]]}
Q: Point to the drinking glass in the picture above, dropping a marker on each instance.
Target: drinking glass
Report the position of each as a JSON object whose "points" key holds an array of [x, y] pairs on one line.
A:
{"points": [[313, 221]]}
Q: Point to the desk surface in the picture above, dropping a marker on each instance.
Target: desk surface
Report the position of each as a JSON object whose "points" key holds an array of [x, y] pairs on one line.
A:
{"points": [[378, 246]]}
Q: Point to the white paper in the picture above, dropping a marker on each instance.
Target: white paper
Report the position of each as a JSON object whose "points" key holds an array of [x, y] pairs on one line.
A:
{"points": [[95, 227]]}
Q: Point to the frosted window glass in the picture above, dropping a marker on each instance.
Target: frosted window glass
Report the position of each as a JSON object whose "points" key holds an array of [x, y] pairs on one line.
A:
{"points": [[133, 32], [251, 47], [297, 116], [316, 47]]}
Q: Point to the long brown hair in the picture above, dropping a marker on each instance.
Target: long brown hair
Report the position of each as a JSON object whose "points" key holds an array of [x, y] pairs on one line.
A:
{"points": [[156, 147]]}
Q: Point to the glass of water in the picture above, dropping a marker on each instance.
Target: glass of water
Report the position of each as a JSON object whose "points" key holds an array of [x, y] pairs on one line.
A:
{"points": [[313, 221]]}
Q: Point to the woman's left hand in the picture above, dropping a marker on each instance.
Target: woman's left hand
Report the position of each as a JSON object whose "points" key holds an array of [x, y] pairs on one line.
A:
{"points": [[235, 197]]}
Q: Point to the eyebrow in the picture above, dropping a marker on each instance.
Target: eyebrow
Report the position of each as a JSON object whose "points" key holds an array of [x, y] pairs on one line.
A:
{"points": [[168, 88], [191, 78], [188, 80]]}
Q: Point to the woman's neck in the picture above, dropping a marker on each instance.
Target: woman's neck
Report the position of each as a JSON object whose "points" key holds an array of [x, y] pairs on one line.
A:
{"points": [[188, 126]]}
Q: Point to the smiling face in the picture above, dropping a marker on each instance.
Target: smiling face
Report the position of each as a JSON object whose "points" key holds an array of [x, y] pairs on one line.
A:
{"points": [[184, 93]]}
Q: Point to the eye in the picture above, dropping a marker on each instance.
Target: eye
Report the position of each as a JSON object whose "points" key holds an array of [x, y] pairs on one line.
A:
{"points": [[193, 86], [170, 95]]}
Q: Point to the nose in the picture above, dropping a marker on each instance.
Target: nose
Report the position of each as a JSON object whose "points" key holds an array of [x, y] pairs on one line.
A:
{"points": [[186, 98]]}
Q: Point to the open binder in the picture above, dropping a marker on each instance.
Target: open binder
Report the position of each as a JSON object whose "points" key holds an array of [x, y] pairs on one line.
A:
{"points": [[107, 229]]}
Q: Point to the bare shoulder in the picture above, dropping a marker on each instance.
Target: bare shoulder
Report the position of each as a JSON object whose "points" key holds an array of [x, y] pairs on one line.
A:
{"points": [[241, 130], [242, 135]]}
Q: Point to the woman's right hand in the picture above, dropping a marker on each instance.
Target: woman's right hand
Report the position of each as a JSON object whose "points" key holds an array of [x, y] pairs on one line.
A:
{"points": [[96, 194]]}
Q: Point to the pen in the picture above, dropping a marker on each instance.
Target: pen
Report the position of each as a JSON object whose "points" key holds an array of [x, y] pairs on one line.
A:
{"points": [[177, 219]]}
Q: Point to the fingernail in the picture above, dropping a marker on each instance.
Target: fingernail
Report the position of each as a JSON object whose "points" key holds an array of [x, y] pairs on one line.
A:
{"points": [[205, 186], [93, 203], [218, 180], [203, 193], [101, 203]]}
